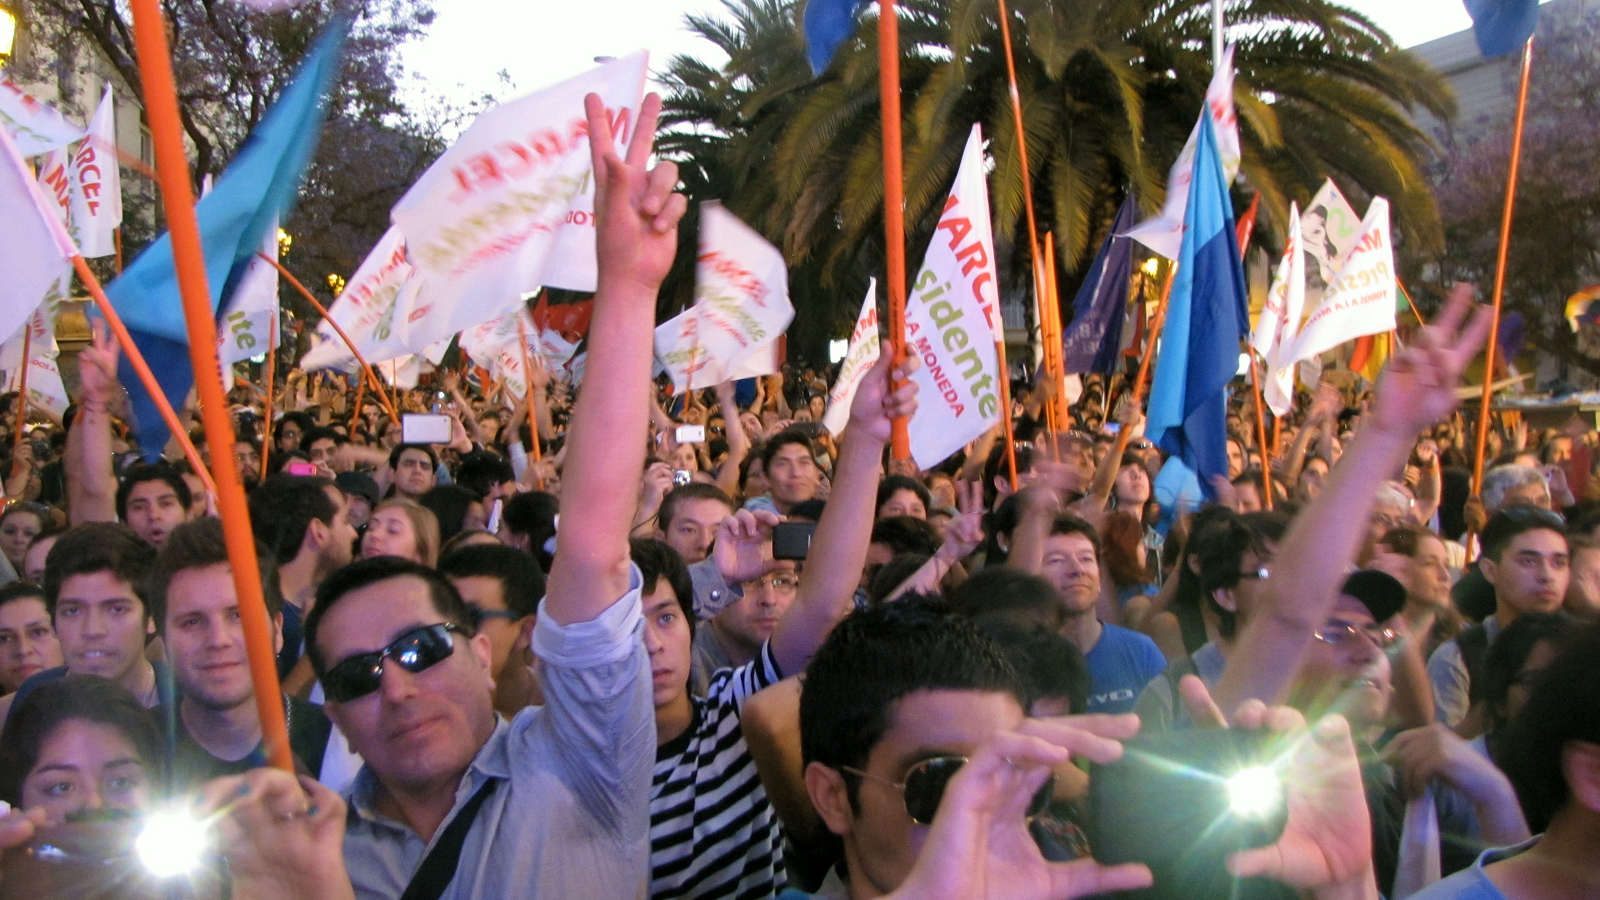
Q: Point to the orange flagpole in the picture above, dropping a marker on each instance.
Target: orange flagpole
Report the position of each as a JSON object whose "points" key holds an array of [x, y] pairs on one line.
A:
{"points": [[355, 411], [1039, 286], [1500, 267], [394, 416], [1005, 405], [1261, 435], [894, 228], [1155, 332], [272, 372], [527, 380], [142, 369], [22, 401], [177, 194]]}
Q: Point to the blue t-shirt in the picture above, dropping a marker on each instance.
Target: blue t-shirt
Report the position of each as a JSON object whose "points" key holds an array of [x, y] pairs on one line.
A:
{"points": [[1473, 883], [1121, 663]]}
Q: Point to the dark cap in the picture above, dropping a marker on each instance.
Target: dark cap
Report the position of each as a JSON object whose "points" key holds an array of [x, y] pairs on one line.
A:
{"points": [[1381, 593], [358, 483]]}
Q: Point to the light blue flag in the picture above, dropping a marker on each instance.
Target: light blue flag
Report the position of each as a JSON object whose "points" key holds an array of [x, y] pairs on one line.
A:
{"points": [[828, 23], [255, 192], [1206, 317]]}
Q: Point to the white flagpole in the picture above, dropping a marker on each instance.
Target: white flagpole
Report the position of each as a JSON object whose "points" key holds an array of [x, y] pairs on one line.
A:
{"points": [[1216, 35]]}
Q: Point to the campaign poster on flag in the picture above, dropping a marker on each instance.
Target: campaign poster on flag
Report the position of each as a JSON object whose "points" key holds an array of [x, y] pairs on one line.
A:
{"points": [[1164, 233], [245, 331], [952, 318], [865, 347], [1330, 229], [1361, 299], [53, 184], [482, 222], [741, 304], [372, 310], [1279, 323], [96, 184], [35, 127]]}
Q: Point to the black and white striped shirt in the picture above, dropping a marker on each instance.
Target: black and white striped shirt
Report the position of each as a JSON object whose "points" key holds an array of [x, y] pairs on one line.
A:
{"points": [[712, 832]]}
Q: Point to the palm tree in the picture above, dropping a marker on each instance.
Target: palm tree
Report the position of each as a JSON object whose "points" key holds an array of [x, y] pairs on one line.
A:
{"points": [[1110, 90]]}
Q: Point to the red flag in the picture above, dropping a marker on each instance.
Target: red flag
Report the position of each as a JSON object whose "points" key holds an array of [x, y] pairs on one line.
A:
{"points": [[1247, 223]]}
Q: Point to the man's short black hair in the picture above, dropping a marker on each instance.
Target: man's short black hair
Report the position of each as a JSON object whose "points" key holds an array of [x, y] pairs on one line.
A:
{"points": [[1009, 594], [98, 547], [297, 417], [783, 439], [320, 433], [282, 507], [449, 503], [888, 486], [1220, 548], [481, 471], [446, 599], [139, 473], [1563, 706], [694, 490], [906, 534], [996, 466], [521, 579], [532, 514], [1067, 523], [1050, 665], [394, 455], [657, 561], [196, 545], [877, 656], [1504, 526]]}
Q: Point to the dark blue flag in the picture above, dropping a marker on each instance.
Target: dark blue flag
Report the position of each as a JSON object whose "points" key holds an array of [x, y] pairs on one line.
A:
{"points": [[1502, 26], [1206, 317], [250, 197], [1093, 340], [828, 24]]}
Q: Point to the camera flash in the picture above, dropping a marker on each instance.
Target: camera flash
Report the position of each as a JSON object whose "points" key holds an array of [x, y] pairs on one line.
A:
{"points": [[170, 843], [1254, 792]]}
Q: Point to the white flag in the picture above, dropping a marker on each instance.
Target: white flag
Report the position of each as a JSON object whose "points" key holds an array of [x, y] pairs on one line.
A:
{"points": [[1361, 298], [53, 184], [372, 309], [245, 331], [96, 184], [35, 127], [38, 336], [952, 318], [1164, 233], [35, 252], [741, 304], [1279, 324], [482, 221], [864, 351]]}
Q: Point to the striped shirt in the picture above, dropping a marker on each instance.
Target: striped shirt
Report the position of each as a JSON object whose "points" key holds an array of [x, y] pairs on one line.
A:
{"points": [[712, 832]]}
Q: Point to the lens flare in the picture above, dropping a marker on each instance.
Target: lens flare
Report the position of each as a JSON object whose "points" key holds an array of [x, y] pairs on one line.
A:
{"points": [[1254, 792], [171, 843]]}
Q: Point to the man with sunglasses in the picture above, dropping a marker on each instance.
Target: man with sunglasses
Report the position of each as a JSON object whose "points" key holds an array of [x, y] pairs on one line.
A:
{"points": [[503, 587], [454, 802]]}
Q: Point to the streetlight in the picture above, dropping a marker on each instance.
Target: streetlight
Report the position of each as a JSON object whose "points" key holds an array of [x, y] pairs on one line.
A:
{"points": [[285, 241], [336, 283], [8, 31]]}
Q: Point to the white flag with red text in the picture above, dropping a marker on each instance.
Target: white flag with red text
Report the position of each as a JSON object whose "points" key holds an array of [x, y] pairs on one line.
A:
{"points": [[865, 348], [35, 127], [372, 310], [38, 338], [95, 181], [1164, 233], [35, 252], [741, 304], [1279, 324], [1360, 300], [481, 224], [952, 320]]}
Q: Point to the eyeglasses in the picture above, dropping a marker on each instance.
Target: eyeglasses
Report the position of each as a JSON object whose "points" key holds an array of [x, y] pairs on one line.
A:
{"points": [[1338, 631], [415, 651], [1261, 573], [780, 584], [484, 614], [925, 782]]}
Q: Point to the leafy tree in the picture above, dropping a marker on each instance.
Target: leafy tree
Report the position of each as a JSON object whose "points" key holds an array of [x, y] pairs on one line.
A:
{"points": [[1555, 245]]}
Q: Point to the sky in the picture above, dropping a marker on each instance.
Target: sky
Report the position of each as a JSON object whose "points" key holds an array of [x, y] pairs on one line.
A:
{"points": [[540, 42]]}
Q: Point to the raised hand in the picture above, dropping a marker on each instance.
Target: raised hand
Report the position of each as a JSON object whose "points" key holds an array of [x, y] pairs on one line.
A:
{"points": [[282, 837], [964, 533], [741, 546], [634, 201], [97, 367], [1418, 388], [877, 403]]}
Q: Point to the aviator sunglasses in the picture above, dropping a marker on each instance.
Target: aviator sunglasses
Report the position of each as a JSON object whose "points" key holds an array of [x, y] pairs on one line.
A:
{"points": [[925, 782], [415, 651]]}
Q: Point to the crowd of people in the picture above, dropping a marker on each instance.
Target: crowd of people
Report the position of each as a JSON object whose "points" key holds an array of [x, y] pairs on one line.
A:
{"points": [[567, 655]]}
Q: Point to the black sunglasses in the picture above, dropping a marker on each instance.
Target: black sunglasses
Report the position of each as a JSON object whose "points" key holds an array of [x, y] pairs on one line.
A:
{"points": [[415, 651], [925, 782]]}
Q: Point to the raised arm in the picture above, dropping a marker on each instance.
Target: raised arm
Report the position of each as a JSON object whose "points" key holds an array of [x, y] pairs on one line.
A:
{"points": [[738, 441], [91, 485], [1416, 390], [636, 236], [839, 547]]}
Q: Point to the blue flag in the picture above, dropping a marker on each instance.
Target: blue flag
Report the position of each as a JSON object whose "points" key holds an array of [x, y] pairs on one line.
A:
{"points": [[257, 188], [828, 24], [1206, 317], [1093, 340], [1502, 26]]}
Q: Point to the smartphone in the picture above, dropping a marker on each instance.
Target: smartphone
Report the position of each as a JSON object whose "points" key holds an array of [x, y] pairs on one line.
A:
{"points": [[792, 540], [682, 476], [424, 428], [90, 858], [691, 434], [1112, 427], [300, 467], [494, 517], [438, 401], [1183, 801]]}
